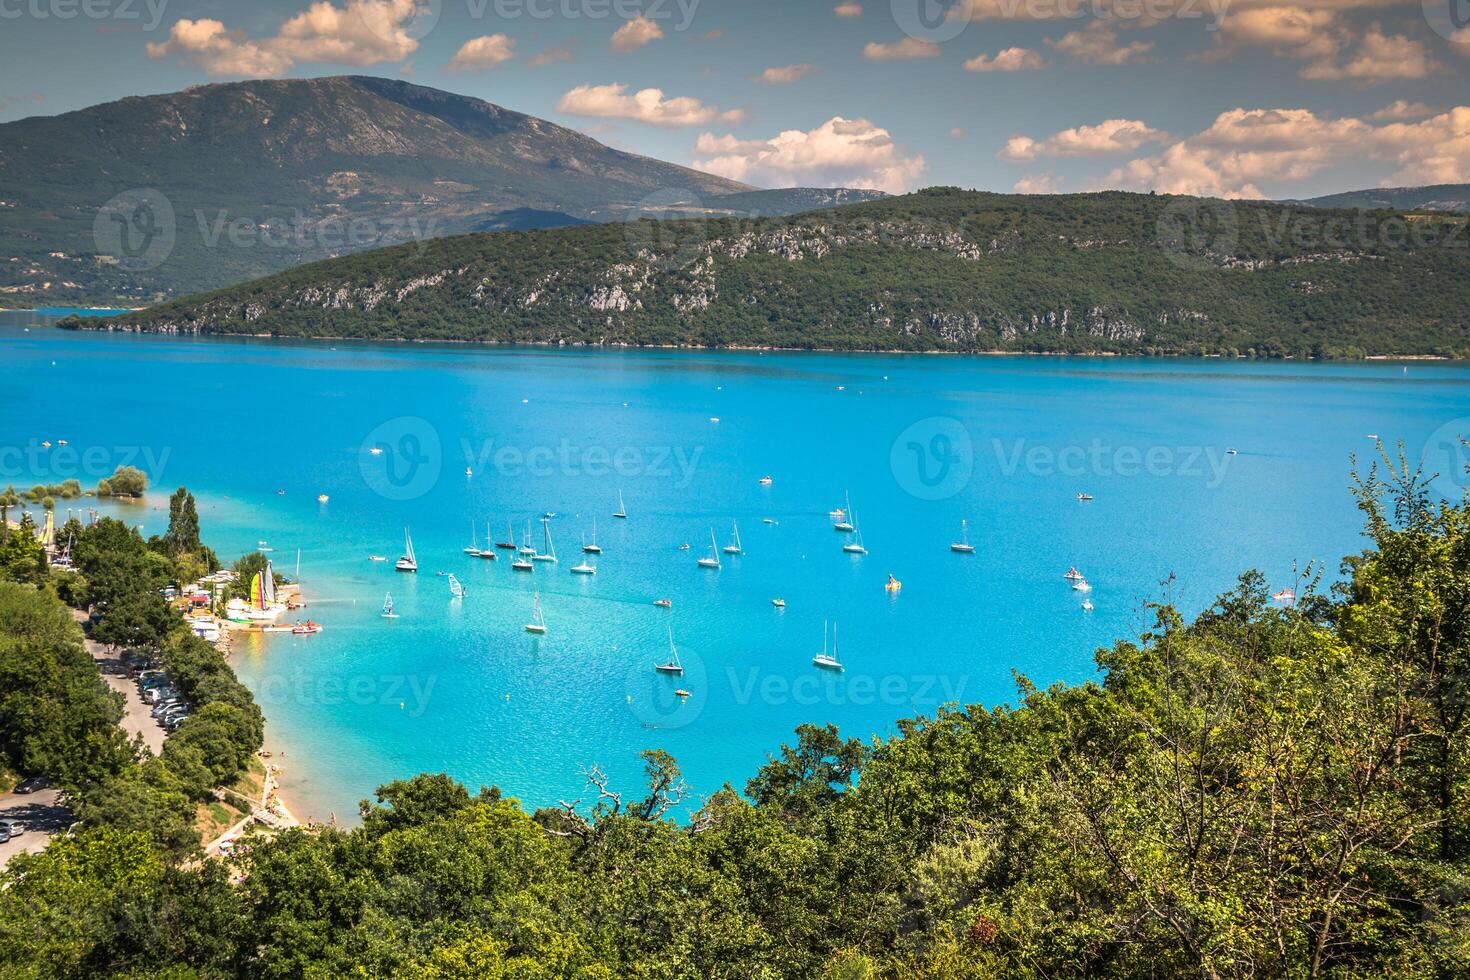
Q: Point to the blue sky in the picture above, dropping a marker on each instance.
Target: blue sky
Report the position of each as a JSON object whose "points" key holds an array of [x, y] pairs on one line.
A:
{"points": [[1233, 97]]}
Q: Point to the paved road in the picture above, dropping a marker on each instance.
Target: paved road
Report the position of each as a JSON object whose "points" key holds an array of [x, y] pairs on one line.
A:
{"points": [[42, 817], [137, 719]]}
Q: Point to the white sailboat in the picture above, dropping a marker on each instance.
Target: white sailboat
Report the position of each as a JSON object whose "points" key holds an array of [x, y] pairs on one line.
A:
{"points": [[550, 553], [592, 549], [843, 523], [407, 562], [474, 548], [855, 547], [456, 591], [963, 546], [673, 665], [388, 612], [733, 548], [584, 568], [488, 553], [621, 512], [713, 560], [827, 660], [527, 548], [538, 622]]}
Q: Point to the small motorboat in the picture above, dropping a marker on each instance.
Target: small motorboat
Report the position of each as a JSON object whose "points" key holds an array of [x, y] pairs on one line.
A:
{"points": [[280, 493], [779, 603], [664, 603], [307, 628], [1232, 452], [765, 481], [1087, 605], [584, 569], [681, 693], [468, 471], [322, 498], [376, 558], [1081, 585], [768, 520], [1084, 495], [376, 451]]}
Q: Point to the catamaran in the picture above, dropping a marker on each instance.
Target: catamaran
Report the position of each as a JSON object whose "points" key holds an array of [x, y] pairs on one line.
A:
{"points": [[592, 549], [474, 548], [550, 553], [713, 560], [622, 511], [262, 607], [963, 546], [733, 548], [407, 562], [456, 591], [673, 665], [538, 622], [843, 522], [827, 660], [388, 612]]}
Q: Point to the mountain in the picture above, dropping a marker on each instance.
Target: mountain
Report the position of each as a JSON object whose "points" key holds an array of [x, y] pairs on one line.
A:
{"points": [[1438, 197], [224, 183], [941, 269]]}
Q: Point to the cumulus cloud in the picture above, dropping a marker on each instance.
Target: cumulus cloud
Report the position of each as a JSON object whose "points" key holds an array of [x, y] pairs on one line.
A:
{"points": [[1109, 136], [1379, 57], [1011, 59], [782, 76], [360, 32], [840, 152], [909, 47], [635, 34], [1246, 150], [646, 105], [480, 53], [848, 10], [1400, 109], [550, 56], [1098, 44], [1038, 184]]}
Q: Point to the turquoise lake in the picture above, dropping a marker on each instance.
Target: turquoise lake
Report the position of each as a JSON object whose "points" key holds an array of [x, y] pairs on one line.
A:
{"points": [[259, 429]]}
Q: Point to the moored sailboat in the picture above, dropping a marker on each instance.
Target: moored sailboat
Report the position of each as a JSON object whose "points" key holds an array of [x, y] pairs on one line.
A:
{"points": [[407, 562], [825, 660], [713, 559], [538, 622], [673, 665], [733, 548], [963, 546], [550, 553]]}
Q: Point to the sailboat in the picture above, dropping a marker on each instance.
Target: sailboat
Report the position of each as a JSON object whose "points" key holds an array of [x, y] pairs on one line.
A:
{"points": [[854, 547], [456, 591], [474, 548], [827, 660], [538, 622], [963, 546], [592, 549], [585, 568], [733, 548], [509, 544], [550, 553], [843, 523], [388, 612], [713, 561], [673, 664], [488, 553], [527, 548], [407, 563], [621, 512], [262, 606]]}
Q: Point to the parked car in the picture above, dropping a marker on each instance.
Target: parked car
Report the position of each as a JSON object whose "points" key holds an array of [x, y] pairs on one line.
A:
{"points": [[33, 784], [11, 828]]}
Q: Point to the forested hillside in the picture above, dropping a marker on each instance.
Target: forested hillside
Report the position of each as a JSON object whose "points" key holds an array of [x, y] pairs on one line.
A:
{"points": [[941, 269]]}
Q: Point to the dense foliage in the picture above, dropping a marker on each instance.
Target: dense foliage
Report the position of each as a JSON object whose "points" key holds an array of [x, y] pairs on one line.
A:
{"points": [[1262, 792], [940, 269], [58, 718]]}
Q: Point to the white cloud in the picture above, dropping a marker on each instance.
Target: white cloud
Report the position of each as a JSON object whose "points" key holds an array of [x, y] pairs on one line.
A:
{"points": [[549, 56], [635, 34], [1109, 136], [1011, 59], [1379, 57], [1038, 184], [360, 32], [646, 105], [848, 9], [782, 76], [840, 152], [1401, 109], [909, 47], [1312, 34], [1098, 45], [1247, 150], [480, 53]]}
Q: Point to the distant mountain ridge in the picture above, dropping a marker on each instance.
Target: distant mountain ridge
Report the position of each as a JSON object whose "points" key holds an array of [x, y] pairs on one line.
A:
{"points": [[258, 176], [1436, 197], [938, 270]]}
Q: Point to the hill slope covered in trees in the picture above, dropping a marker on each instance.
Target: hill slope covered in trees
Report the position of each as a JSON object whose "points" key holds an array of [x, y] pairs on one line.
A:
{"points": [[941, 269]]}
